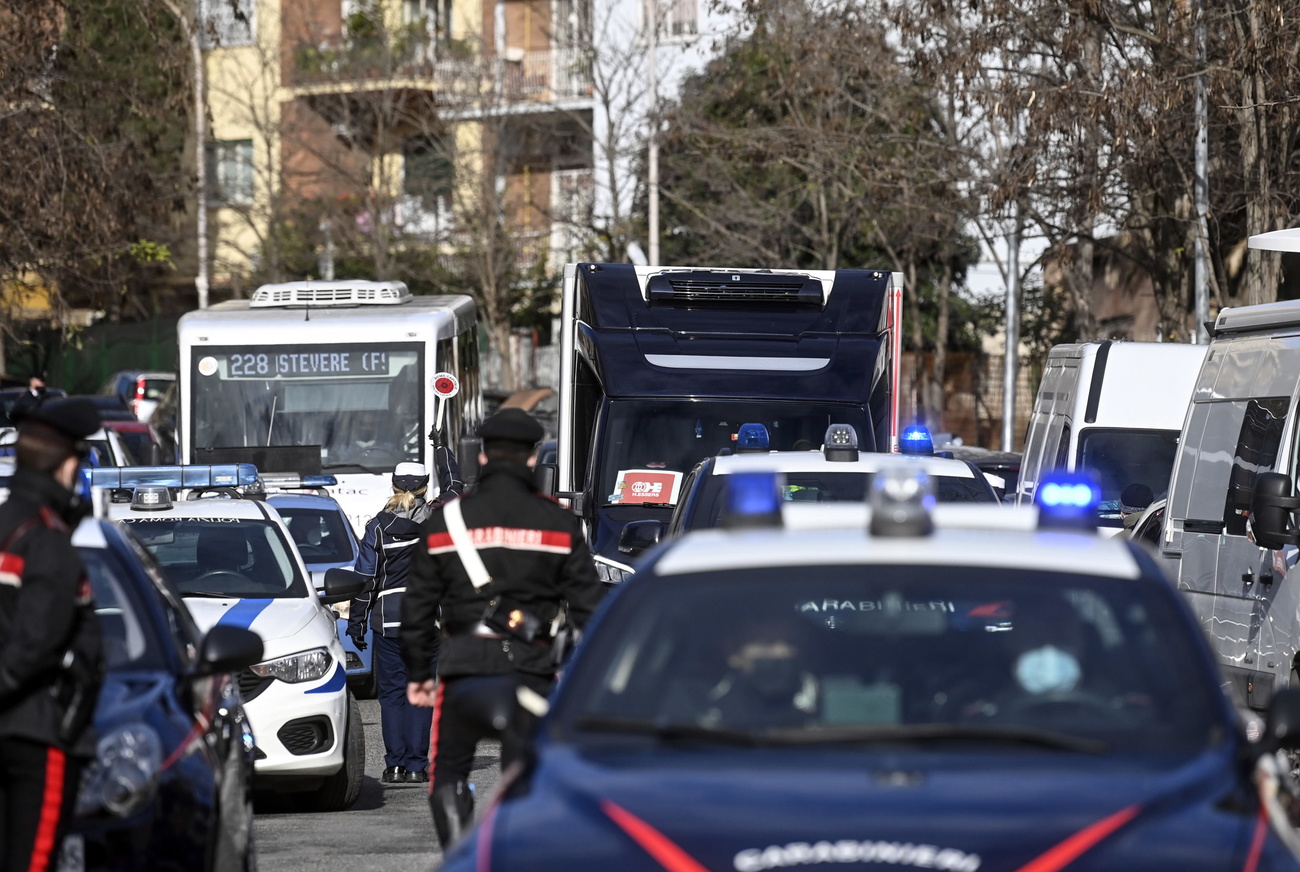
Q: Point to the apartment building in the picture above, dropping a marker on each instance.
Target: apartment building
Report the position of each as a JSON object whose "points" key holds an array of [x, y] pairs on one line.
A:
{"points": [[401, 122]]}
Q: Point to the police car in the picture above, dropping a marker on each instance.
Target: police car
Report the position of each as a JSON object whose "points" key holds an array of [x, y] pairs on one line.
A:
{"points": [[235, 564], [945, 687], [323, 535], [837, 473]]}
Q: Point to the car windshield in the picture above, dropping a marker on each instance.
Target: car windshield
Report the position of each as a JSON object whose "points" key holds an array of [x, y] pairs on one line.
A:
{"points": [[1120, 458], [322, 535], [129, 637], [139, 443], [362, 404], [650, 444], [231, 557], [825, 487], [898, 654]]}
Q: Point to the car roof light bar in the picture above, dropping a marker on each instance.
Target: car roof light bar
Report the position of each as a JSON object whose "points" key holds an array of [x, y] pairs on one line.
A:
{"points": [[753, 499], [1067, 501], [131, 477], [840, 443], [752, 437], [915, 440]]}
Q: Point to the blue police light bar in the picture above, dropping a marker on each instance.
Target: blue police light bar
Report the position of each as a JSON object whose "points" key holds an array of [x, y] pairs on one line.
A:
{"points": [[1067, 501], [752, 437], [131, 477], [915, 440], [753, 500], [319, 480]]}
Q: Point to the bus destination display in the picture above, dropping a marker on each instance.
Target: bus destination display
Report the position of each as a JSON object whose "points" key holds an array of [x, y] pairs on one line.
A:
{"points": [[324, 361]]}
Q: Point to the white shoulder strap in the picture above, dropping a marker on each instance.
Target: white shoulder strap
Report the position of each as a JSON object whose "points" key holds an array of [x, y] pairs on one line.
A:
{"points": [[469, 556]]}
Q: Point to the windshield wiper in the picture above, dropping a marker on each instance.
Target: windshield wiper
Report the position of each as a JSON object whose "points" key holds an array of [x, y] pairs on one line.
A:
{"points": [[212, 593], [667, 731], [927, 733], [353, 467]]}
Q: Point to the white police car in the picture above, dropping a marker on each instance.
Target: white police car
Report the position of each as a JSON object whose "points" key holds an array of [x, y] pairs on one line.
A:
{"points": [[235, 564]]}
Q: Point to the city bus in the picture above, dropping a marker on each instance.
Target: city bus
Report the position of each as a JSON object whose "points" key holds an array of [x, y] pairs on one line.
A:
{"points": [[331, 378]]}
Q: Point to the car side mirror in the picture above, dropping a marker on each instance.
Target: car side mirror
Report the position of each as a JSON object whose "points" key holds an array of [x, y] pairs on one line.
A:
{"points": [[467, 456], [577, 500], [341, 585], [228, 649], [544, 476], [1271, 506], [637, 536], [1282, 723]]}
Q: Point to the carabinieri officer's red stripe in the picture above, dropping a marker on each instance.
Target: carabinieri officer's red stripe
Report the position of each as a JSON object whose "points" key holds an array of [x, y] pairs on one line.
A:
{"points": [[1066, 852], [655, 843]]}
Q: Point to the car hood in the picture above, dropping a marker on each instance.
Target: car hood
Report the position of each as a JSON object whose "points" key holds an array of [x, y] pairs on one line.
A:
{"points": [[272, 619], [752, 811]]}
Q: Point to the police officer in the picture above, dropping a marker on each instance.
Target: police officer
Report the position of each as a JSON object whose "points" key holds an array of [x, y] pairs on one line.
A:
{"points": [[536, 560], [386, 551], [51, 664], [29, 400]]}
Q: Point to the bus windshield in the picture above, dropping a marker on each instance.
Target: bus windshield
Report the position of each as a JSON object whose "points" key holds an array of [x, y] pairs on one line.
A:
{"points": [[650, 444], [363, 404]]}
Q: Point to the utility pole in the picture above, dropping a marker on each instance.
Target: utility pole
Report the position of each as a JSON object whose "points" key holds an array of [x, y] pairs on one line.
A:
{"points": [[1201, 185], [194, 32], [652, 181], [1011, 358]]}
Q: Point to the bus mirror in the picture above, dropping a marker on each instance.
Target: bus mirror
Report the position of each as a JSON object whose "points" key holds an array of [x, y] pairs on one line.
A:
{"points": [[544, 475], [1271, 506], [467, 457]]}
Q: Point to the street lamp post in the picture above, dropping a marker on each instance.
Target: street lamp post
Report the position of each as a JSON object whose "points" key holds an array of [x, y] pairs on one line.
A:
{"points": [[652, 169]]}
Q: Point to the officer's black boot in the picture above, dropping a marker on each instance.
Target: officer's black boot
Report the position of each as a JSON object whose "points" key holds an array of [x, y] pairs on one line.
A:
{"points": [[453, 808]]}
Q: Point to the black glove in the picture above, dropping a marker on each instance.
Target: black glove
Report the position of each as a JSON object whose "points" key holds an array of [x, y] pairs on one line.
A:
{"points": [[357, 633]]}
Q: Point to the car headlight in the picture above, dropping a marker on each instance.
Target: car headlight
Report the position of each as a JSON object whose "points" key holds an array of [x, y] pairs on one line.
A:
{"points": [[297, 668], [612, 572], [128, 760]]}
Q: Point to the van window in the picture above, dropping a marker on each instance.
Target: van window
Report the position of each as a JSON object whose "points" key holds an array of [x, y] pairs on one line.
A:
{"points": [[1119, 458], [1257, 446], [1063, 449], [1033, 458]]}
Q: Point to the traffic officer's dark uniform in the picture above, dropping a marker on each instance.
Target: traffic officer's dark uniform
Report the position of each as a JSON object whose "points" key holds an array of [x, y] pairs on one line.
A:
{"points": [[535, 552], [386, 550], [51, 663]]}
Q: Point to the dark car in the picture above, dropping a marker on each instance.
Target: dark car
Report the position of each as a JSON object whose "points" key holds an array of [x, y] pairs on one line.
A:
{"points": [[171, 784], [974, 694], [139, 390], [1003, 464], [9, 397]]}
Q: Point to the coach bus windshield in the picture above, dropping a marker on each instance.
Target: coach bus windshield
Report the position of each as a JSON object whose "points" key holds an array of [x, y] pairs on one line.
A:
{"points": [[363, 404]]}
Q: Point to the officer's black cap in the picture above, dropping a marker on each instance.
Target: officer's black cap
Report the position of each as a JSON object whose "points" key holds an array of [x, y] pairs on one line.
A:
{"points": [[511, 425], [72, 420]]}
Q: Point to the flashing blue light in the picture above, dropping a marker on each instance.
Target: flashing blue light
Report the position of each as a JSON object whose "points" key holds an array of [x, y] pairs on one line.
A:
{"points": [[319, 480], [915, 440], [131, 477], [1068, 501], [752, 437], [1063, 495], [753, 498]]}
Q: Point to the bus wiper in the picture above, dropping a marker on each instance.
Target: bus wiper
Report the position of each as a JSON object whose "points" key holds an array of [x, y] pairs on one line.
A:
{"points": [[933, 733], [667, 731]]}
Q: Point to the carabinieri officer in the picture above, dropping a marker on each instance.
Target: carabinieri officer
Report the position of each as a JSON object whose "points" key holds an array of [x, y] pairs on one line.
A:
{"points": [[495, 644], [51, 663]]}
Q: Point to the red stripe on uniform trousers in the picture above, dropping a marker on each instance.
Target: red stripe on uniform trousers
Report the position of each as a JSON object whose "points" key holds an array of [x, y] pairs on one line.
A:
{"points": [[51, 804], [655, 843], [1065, 853], [1257, 843], [433, 734]]}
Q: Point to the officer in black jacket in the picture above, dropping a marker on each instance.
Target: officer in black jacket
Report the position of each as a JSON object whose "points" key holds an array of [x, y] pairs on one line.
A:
{"points": [[51, 663], [538, 561]]}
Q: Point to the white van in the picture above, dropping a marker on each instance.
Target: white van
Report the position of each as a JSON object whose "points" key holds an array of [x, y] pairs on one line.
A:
{"points": [[1114, 409], [1229, 531]]}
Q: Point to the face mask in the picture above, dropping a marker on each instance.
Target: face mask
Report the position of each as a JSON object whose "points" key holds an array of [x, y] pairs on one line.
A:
{"points": [[1047, 670], [775, 677]]}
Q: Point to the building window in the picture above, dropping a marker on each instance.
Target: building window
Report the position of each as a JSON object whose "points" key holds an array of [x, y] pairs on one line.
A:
{"points": [[678, 19], [232, 172], [227, 23]]}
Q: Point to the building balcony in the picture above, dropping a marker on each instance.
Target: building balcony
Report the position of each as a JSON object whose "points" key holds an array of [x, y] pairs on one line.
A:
{"points": [[448, 70]]}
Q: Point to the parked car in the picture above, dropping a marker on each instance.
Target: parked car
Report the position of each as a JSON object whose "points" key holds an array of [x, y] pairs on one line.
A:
{"points": [[140, 391], [174, 769], [9, 397]]}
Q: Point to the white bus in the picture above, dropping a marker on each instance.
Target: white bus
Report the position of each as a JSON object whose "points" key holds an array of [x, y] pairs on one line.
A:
{"points": [[329, 377]]}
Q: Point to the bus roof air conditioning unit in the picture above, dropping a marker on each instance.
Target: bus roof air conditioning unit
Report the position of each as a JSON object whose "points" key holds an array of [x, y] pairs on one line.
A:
{"points": [[342, 293]]}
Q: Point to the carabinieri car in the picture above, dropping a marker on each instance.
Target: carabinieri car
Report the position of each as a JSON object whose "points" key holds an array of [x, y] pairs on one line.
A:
{"points": [[171, 784], [941, 689], [235, 565]]}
